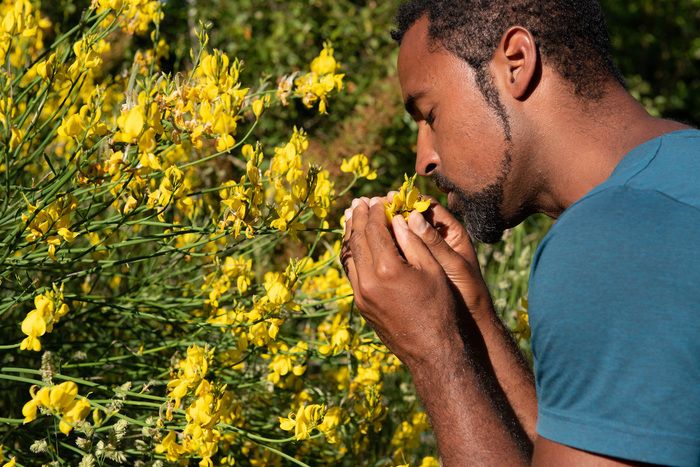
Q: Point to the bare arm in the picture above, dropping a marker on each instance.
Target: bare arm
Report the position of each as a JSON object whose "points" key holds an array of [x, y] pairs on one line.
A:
{"points": [[421, 316], [451, 246]]}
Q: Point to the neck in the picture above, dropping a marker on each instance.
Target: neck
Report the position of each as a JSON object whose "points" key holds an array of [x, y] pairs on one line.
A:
{"points": [[578, 145]]}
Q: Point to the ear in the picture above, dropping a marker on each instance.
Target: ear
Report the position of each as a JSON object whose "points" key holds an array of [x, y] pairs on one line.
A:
{"points": [[517, 62]]}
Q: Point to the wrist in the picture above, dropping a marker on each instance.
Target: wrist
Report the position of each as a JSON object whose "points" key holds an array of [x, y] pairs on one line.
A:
{"points": [[446, 358]]}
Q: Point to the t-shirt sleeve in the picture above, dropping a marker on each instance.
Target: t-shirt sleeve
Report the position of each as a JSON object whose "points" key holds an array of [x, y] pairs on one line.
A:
{"points": [[615, 316]]}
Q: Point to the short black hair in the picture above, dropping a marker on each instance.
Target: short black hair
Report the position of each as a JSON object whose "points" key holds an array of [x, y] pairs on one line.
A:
{"points": [[571, 36]]}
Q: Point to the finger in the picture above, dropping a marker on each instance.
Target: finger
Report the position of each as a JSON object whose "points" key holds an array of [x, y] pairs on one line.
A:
{"points": [[357, 241], [349, 265], [385, 254], [457, 268], [451, 230], [414, 249]]}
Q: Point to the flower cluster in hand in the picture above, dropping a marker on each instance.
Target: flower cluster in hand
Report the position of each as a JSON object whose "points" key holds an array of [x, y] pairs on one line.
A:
{"points": [[407, 200]]}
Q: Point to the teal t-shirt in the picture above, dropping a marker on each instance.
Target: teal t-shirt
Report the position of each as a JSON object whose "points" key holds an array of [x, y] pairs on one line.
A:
{"points": [[615, 311]]}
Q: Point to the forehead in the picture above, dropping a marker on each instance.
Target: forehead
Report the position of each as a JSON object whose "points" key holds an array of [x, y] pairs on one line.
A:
{"points": [[422, 65]]}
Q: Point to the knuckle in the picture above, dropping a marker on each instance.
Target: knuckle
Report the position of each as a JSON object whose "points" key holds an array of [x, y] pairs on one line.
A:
{"points": [[363, 292], [360, 304], [384, 272], [431, 237]]}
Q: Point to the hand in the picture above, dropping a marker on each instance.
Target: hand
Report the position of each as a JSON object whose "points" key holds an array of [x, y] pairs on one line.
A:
{"points": [[400, 288], [450, 245]]}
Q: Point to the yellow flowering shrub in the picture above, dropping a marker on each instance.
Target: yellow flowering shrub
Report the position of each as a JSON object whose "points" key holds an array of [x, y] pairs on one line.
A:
{"points": [[171, 289]]}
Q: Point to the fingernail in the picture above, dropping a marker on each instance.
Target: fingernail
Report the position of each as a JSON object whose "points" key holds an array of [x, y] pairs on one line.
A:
{"points": [[348, 214], [374, 201], [419, 224], [354, 203]]}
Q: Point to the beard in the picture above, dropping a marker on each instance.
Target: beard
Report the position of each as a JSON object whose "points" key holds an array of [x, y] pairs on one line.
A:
{"points": [[481, 212]]}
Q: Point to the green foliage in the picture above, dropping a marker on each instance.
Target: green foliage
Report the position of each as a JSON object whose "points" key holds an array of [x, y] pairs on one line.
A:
{"points": [[657, 47]]}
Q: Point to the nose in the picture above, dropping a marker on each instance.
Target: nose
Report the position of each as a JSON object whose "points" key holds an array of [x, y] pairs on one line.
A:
{"points": [[427, 159]]}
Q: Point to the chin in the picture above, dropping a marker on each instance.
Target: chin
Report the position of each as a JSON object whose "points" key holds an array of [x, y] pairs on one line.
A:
{"points": [[480, 213]]}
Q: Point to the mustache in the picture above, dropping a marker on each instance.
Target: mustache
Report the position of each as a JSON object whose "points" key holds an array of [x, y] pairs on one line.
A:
{"points": [[443, 183]]}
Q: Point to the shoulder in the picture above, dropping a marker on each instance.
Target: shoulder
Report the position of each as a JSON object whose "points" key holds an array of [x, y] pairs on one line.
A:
{"points": [[614, 305], [621, 248], [620, 222]]}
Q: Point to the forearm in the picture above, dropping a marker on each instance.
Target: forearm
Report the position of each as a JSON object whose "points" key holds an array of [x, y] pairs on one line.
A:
{"points": [[472, 421], [510, 367]]}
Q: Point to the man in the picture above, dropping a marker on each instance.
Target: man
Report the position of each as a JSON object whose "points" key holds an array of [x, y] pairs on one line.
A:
{"points": [[521, 110]]}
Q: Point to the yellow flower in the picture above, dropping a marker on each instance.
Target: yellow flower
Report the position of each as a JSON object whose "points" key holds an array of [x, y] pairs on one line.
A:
{"points": [[130, 125], [16, 136], [62, 395], [67, 234], [325, 63], [320, 82], [522, 324], [45, 68], [60, 400], [331, 421], [359, 166], [224, 143], [73, 413], [291, 360], [277, 290], [304, 421], [147, 141], [169, 446], [49, 308], [34, 326], [190, 372], [72, 126], [257, 106], [29, 410], [408, 199], [429, 461]]}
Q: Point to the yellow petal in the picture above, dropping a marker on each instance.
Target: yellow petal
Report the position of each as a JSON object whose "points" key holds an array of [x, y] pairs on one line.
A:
{"points": [[77, 411], [421, 205], [30, 343], [65, 427], [286, 424], [67, 234], [29, 411], [43, 396], [62, 396], [257, 107], [34, 324]]}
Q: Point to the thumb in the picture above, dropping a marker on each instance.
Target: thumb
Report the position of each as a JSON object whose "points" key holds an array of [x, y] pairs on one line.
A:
{"points": [[465, 276], [451, 230]]}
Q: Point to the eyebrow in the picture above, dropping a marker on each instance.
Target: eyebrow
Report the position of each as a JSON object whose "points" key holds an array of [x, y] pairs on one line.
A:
{"points": [[410, 103]]}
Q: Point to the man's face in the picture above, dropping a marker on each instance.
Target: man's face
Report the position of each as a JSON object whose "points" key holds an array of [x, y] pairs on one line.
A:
{"points": [[461, 141]]}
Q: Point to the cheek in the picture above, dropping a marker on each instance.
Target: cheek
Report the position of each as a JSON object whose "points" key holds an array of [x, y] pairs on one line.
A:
{"points": [[471, 149]]}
